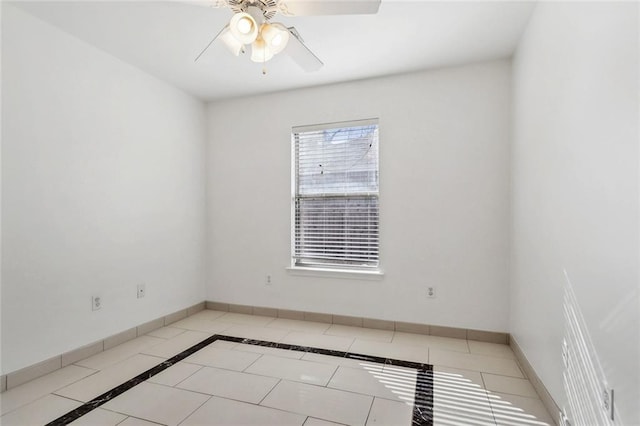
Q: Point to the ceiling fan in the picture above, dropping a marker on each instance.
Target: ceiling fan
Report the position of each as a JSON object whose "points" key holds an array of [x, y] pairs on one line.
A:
{"points": [[251, 25]]}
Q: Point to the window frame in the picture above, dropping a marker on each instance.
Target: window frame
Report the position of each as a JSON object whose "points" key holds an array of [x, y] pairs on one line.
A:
{"points": [[330, 269]]}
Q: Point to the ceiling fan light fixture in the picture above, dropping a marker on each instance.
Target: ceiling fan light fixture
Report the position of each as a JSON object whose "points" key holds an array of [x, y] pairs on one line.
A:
{"points": [[260, 52], [275, 35], [232, 43], [243, 27]]}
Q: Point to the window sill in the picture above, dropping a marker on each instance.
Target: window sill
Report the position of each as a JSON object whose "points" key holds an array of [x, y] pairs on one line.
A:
{"points": [[303, 271]]}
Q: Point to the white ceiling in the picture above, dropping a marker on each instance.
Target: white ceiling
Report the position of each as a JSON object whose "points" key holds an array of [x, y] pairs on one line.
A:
{"points": [[163, 38]]}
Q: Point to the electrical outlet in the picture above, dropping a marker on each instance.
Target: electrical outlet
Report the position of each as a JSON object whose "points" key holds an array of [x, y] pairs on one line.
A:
{"points": [[268, 280], [607, 401], [96, 303], [431, 292], [142, 291], [564, 420]]}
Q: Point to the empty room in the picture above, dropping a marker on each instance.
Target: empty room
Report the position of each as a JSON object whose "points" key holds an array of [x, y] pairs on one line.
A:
{"points": [[320, 212]]}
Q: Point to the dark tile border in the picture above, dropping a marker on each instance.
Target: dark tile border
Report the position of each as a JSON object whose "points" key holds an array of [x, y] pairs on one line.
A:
{"points": [[18, 377], [118, 390], [423, 398]]}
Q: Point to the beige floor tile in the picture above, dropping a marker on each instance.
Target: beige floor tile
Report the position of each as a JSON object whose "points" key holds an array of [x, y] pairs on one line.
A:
{"points": [[177, 344], [516, 410], [312, 421], [175, 374], [337, 343], [287, 385], [459, 398], [132, 421], [399, 371], [230, 384], [256, 332], [482, 363], [219, 411], [39, 412], [223, 358], [511, 385], [458, 417], [95, 385], [36, 389], [391, 350], [490, 349], [223, 344], [99, 417], [165, 332], [431, 342], [157, 403], [390, 413], [293, 369], [360, 333], [296, 325], [461, 391], [204, 325], [119, 353], [244, 319], [374, 381], [320, 402], [283, 353], [337, 361], [458, 378]]}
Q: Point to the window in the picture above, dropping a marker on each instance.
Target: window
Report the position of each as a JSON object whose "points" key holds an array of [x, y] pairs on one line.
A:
{"points": [[335, 196]]}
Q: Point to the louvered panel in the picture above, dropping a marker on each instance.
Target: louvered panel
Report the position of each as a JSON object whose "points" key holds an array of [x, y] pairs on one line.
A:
{"points": [[336, 196]]}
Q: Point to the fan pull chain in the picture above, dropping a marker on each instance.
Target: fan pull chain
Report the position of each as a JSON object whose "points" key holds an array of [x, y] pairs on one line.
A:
{"points": [[264, 62]]}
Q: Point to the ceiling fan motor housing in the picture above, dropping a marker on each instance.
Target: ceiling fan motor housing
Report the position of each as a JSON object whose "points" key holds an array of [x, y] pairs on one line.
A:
{"points": [[268, 7], [251, 24]]}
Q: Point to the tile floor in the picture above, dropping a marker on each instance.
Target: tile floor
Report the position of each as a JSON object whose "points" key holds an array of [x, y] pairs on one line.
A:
{"points": [[229, 383]]}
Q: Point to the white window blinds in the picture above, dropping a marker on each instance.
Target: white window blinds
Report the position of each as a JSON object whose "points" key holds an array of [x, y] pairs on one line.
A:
{"points": [[336, 195]]}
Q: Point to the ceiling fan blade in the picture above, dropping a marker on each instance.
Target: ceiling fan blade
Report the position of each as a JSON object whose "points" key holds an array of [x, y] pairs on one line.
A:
{"points": [[329, 7], [301, 54], [210, 43], [205, 3]]}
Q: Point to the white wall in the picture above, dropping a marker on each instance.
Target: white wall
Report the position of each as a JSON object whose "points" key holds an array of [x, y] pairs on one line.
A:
{"points": [[444, 193], [575, 190], [0, 200], [102, 189]]}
